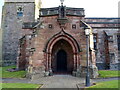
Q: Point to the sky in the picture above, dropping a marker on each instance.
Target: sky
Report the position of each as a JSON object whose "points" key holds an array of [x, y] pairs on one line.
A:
{"points": [[93, 8]]}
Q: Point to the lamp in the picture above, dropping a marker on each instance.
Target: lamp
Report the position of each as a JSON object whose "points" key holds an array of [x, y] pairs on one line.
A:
{"points": [[62, 2], [87, 32]]}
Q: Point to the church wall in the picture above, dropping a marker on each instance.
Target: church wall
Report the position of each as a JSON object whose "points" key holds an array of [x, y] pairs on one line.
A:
{"points": [[46, 33], [111, 27], [112, 46], [12, 26]]}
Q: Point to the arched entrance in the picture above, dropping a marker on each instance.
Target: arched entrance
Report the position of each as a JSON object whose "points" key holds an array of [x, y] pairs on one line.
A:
{"points": [[61, 41], [62, 57], [61, 61]]}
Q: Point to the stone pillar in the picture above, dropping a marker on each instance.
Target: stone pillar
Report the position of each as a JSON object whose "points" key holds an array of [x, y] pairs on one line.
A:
{"points": [[49, 61], [93, 71], [48, 71], [46, 59], [50, 65], [29, 69], [78, 62], [74, 62]]}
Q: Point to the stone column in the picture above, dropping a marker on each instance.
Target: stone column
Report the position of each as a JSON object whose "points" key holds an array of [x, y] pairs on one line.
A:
{"points": [[46, 61], [74, 62], [50, 61], [50, 65], [77, 61]]}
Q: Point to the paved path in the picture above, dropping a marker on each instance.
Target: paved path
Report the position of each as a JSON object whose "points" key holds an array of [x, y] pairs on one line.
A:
{"points": [[56, 81], [60, 81], [15, 80], [65, 81]]}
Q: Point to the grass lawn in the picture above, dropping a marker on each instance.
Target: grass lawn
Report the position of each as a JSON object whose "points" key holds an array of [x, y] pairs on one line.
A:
{"points": [[20, 85], [107, 84], [21, 74], [7, 74], [108, 73]]}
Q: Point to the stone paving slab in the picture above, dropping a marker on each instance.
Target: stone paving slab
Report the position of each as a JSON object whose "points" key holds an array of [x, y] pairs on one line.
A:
{"points": [[60, 81]]}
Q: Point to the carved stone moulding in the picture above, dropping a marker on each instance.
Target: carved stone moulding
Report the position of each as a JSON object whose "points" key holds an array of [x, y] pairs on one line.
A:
{"points": [[62, 21]]}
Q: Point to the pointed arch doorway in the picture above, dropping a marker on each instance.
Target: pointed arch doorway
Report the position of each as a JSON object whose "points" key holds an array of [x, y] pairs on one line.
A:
{"points": [[61, 41], [62, 57]]}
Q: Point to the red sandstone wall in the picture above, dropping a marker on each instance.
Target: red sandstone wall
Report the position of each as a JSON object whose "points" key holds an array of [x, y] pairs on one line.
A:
{"points": [[46, 33]]}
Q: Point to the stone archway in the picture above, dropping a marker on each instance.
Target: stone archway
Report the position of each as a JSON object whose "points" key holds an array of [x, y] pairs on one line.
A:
{"points": [[62, 59], [50, 51]]}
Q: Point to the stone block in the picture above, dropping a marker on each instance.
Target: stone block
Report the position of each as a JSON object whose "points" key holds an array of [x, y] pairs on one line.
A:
{"points": [[81, 71], [46, 74], [37, 76]]}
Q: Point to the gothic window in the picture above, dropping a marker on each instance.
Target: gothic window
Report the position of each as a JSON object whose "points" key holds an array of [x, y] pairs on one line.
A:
{"points": [[118, 40], [20, 11], [73, 26], [95, 41]]}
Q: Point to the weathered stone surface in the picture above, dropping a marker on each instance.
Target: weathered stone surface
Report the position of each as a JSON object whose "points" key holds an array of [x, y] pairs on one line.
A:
{"points": [[37, 52], [48, 41], [81, 71], [111, 27], [115, 66], [12, 27]]}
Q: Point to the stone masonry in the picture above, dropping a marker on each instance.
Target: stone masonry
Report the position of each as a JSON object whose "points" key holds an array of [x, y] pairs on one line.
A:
{"points": [[57, 31], [110, 28], [15, 12], [37, 38]]}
